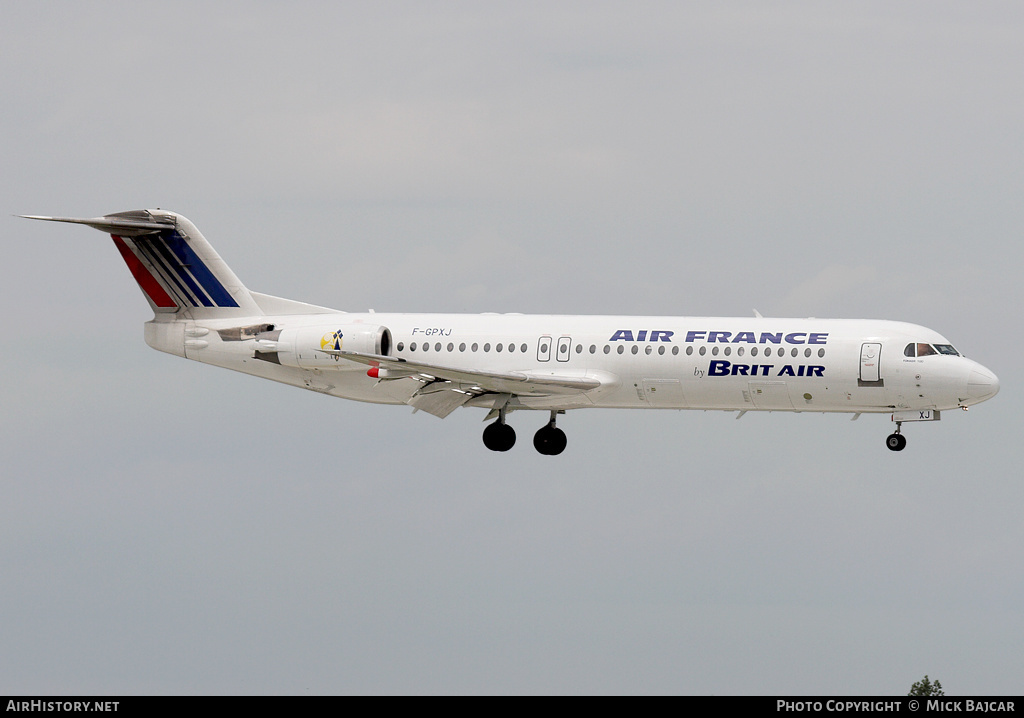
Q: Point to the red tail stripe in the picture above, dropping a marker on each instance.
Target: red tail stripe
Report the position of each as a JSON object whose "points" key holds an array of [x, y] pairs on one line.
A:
{"points": [[142, 275]]}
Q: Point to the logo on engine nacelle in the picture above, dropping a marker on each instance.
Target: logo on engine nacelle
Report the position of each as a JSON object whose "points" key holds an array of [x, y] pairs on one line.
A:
{"points": [[331, 340]]}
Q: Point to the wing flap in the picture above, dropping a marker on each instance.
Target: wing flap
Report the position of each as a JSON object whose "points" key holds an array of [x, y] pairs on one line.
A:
{"points": [[521, 383], [444, 389], [439, 403]]}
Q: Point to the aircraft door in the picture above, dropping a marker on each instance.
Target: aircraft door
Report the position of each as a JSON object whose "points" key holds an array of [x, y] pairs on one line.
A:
{"points": [[544, 348], [870, 354], [564, 349]]}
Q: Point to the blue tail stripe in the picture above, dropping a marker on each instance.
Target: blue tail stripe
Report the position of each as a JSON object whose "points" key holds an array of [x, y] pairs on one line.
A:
{"points": [[164, 263], [175, 266], [191, 261]]}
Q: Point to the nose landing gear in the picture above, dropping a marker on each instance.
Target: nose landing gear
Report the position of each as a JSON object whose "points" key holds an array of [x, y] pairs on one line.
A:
{"points": [[896, 441]]}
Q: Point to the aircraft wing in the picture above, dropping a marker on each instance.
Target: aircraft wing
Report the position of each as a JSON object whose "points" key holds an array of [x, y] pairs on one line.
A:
{"points": [[444, 389]]}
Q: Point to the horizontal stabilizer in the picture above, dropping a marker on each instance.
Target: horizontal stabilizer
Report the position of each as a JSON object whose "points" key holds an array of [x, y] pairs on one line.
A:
{"points": [[175, 267], [125, 224]]}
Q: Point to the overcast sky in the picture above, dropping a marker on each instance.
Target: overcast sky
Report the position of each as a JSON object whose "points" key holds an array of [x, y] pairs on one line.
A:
{"points": [[169, 527]]}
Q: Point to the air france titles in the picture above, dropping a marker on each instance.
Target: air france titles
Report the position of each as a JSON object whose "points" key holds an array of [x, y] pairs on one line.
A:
{"points": [[721, 367], [661, 335]]}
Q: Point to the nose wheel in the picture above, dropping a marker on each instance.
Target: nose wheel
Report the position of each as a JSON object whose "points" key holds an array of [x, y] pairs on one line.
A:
{"points": [[896, 441]]}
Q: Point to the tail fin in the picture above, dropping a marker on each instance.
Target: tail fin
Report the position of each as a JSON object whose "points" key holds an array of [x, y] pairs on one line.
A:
{"points": [[174, 265]]}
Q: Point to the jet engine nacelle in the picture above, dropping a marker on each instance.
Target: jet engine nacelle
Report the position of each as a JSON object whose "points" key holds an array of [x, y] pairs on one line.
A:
{"points": [[315, 347]]}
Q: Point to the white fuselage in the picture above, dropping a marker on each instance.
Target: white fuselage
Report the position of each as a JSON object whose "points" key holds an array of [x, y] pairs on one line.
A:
{"points": [[726, 363], [437, 363]]}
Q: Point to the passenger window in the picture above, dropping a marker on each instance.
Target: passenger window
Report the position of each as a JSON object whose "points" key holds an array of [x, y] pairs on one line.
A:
{"points": [[607, 349]]}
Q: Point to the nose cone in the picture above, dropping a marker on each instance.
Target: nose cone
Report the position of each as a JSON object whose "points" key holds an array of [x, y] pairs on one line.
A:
{"points": [[981, 385]]}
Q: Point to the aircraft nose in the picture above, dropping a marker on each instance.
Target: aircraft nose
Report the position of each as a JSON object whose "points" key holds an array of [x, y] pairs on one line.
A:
{"points": [[982, 384]]}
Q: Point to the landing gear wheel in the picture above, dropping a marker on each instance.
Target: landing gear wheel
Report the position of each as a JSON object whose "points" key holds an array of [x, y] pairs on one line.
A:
{"points": [[549, 440], [499, 436], [895, 442]]}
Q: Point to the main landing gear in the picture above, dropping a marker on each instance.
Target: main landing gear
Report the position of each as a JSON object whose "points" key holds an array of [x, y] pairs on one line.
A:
{"points": [[499, 436], [896, 441], [549, 439]]}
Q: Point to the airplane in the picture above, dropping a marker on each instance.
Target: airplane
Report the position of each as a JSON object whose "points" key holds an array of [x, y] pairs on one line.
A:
{"points": [[503, 363]]}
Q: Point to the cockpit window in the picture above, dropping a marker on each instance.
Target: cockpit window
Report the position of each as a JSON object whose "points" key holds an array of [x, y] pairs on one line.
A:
{"points": [[920, 349]]}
